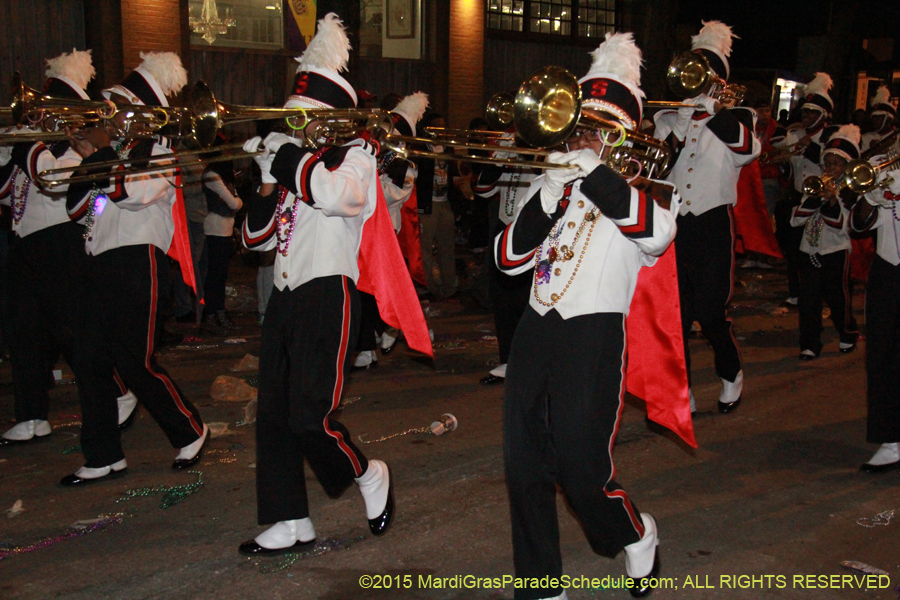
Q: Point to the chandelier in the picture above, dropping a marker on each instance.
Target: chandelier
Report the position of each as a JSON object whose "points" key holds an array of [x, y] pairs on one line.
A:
{"points": [[209, 23]]}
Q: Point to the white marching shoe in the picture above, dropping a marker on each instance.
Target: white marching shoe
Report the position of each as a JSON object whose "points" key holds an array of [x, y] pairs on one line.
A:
{"points": [[190, 454], [366, 359], [94, 474], [283, 536], [25, 432], [377, 490], [730, 398], [127, 405], [887, 458], [642, 559]]}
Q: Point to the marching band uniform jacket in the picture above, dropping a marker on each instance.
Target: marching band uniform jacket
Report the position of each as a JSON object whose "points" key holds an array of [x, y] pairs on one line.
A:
{"points": [[629, 232], [398, 180], [835, 220], [139, 207], [873, 137], [318, 186], [17, 188], [710, 154], [511, 183], [807, 164]]}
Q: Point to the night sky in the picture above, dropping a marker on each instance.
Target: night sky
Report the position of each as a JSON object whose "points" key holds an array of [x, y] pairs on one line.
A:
{"points": [[769, 29]]}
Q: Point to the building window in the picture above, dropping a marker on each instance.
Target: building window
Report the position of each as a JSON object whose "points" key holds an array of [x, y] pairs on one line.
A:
{"points": [[573, 18], [237, 23]]}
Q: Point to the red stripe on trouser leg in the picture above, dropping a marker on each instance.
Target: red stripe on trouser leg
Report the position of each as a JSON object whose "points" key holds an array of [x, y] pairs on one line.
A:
{"points": [[339, 381], [151, 329]]}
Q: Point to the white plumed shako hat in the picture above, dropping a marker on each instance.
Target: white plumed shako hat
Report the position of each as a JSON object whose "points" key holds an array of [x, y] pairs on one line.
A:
{"points": [[318, 83], [613, 83]]}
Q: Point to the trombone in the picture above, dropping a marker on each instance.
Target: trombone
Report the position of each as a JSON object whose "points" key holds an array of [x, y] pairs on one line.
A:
{"points": [[860, 176], [204, 118], [690, 75]]}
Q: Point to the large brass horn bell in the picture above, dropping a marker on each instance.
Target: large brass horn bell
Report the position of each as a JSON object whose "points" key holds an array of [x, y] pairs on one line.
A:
{"points": [[548, 106], [689, 75]]}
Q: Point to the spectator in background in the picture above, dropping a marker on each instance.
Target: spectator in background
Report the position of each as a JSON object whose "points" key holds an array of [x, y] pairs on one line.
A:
{"points": [[390, 102], [222, 203], [437, 222]]}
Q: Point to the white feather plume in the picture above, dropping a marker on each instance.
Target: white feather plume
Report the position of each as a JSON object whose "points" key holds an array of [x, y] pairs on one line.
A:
{"points": [[618, 56], [329, 49], [76, 66], [848, 132], [166, 69], [821, 84], [413, 106], [882, 96], [714, 35]]}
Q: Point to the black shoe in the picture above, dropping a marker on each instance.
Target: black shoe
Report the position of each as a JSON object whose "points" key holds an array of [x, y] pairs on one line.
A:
{"points": [[379, 525], [129, 421], [490, 379], [867, 468], [185, 463], [74, 480], [389, 349], [641, 588], [251, 548], [35, 438], [729, 407], [848, 349]]}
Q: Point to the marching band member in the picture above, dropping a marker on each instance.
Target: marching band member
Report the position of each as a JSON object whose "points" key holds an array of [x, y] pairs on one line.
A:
{"points": [[509, 295], [826, 247], [397, 177], [809, 141], [312, 206], [712, 143], [45, 255], [129, 227], [588, 234], [879, 213], [883, 117]]}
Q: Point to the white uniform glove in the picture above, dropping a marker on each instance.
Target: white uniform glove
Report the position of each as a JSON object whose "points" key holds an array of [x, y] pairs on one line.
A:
{"points": [[877, 196], [587, 160], [708, 103], [264, 159], [555, 180], [5, 155], [683, 122]]}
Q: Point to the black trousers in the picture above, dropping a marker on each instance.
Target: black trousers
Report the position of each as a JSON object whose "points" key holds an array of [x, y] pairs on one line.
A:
{"points": [[789, 238], [831, 283], [563, 400], [307, 338], [220, 252], [509, 299], [370, 322], [118, 324], [44, 279], [883, 352], [704, 253]]}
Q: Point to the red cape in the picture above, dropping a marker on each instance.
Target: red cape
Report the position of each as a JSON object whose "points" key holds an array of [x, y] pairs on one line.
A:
{"points": [[180, 248], [656, 368], [380, 275], [752, 226], [410, 242]]}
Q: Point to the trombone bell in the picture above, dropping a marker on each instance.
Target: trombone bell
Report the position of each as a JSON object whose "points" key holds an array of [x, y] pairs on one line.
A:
{"points": [[548, 106]]}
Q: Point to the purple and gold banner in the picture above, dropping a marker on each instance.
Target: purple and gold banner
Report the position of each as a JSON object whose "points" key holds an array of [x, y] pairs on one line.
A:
{"points": [[301, 25]]}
